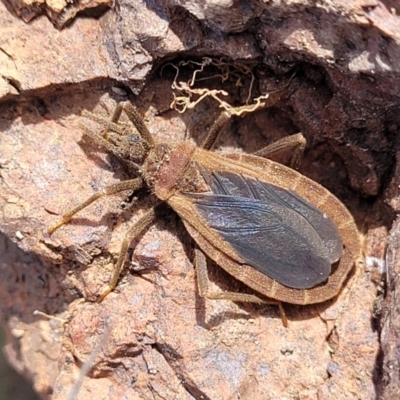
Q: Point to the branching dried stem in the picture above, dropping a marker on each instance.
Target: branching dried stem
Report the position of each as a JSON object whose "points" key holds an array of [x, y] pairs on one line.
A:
{"points": [[189, 96], [185, 101]]}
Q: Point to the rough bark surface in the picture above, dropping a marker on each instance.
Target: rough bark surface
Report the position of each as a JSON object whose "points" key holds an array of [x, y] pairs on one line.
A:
{"points": [[154, 337]]}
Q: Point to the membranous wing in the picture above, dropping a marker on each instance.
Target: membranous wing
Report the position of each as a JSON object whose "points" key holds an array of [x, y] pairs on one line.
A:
{"points": [[236, 185], [273, 230]]}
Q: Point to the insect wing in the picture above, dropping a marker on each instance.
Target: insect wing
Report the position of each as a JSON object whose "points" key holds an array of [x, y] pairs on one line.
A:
{"points": [[273, 239], [236, 185]]}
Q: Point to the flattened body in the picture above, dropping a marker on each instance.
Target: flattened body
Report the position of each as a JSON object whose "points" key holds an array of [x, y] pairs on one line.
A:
{"points": [[269, 229], [291, 260], [227, 183]]}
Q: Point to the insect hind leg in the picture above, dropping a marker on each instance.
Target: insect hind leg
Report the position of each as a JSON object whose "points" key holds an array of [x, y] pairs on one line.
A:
{"points": [[204, 288], [297, 141]]}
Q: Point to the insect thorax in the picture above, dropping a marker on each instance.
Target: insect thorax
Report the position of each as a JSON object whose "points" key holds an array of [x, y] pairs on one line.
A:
{"points": [[168, 170]]}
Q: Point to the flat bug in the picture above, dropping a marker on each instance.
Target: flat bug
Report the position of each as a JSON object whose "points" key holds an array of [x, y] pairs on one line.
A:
{"points": [[277, 231]]}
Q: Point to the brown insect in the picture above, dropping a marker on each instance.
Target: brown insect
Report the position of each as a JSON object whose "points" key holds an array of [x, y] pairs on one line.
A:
{"points": [[277, 231]]}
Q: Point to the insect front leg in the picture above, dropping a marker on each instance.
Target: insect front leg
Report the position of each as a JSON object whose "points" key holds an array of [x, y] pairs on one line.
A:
{"points": [[137, 120], [119, 138], [114, 125], [133, 184], [204, 288]]}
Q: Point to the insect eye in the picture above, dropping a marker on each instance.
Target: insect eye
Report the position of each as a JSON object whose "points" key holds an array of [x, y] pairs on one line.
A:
{"points": [[132, 138]]}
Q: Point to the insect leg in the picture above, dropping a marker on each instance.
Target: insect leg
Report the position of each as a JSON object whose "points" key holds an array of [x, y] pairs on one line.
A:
{"points": [[137, 120], [215, 131], [133, 232], [133, 184], [116, 115], [99, 139], [113, 124], [204, 290], [263, 101], [108, 124], [297, 141]]}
